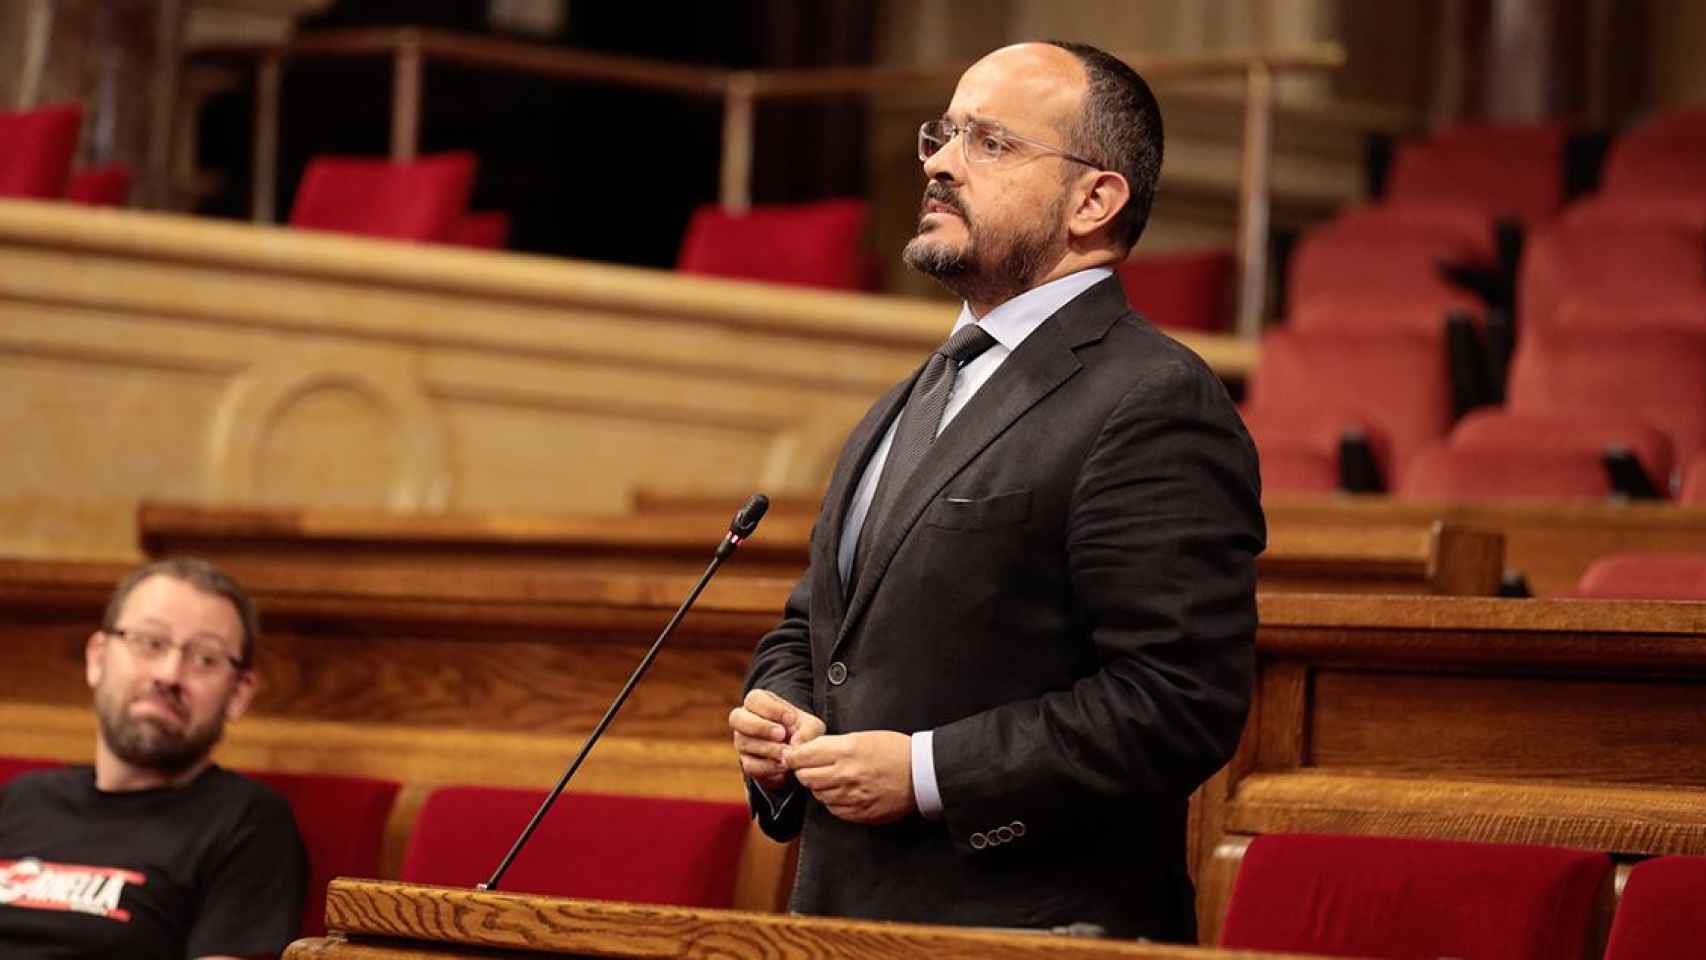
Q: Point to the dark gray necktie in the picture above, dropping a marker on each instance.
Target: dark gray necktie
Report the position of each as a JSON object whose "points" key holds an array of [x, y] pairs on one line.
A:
{"points": [[917, 428]]}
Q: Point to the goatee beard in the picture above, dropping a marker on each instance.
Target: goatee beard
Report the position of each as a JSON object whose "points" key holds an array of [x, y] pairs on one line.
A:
{"points": [[962, 271], [146, 745]]}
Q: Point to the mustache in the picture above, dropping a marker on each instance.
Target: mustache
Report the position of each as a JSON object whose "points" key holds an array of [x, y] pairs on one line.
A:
{"points": [[945, 195], [172, 699]]}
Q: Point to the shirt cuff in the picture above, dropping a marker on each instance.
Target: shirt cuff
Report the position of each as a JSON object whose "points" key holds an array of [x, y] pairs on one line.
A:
{"points": [[924, 775]]}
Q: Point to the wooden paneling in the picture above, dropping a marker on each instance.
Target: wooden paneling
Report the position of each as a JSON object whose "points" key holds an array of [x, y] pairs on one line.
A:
{"points": [[1563, 722]]}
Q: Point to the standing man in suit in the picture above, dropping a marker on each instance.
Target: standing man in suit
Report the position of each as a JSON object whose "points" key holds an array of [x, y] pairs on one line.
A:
{"points": [[1026, 634]]}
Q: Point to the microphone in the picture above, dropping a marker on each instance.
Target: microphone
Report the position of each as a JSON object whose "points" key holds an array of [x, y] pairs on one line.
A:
{"points": [[741, 528]]}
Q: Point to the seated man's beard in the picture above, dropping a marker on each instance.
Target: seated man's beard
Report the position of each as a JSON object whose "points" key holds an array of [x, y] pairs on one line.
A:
{"points": [[967, 275], [144, 744]]}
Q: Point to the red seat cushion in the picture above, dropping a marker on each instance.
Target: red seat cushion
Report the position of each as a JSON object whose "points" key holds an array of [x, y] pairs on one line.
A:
{"points": [[101, 186], [1443, 473], [598, 846], [13, 766], [342, 822], [418, 200], [1493, 430], [36, 148], [811, 244], [1629, 264], [1389, 897], [1659, 916], [1645, 576], [1185, 290]]}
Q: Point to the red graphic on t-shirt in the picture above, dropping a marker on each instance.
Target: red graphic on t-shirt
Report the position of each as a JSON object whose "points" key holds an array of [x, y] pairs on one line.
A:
{"points": [[39, 885]]}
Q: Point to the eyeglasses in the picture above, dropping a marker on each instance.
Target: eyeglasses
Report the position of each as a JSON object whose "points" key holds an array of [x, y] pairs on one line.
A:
{"points": [[984, 141], [202, 658]]}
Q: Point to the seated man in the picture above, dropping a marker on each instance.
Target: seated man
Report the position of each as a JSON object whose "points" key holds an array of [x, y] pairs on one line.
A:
{"points": [[155, 852]]}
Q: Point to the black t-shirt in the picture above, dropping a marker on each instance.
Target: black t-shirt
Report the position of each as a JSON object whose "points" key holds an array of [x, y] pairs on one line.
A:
{"points": [[213, 867]]}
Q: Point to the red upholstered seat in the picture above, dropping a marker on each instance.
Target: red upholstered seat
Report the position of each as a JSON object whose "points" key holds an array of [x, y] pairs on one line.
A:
{"points": [[1667, 152], [1659, 313], [100, 186], [812, 244], [1442, 473], [1658, 377], [342, 821], [1693, 490], [1389, 897], [13, 766], [1607, 265], [1328, 263], [1659, 916], [1586, 434], [1299, 452], [1468, 226], [485, 229], [1646, 575], [1368, 313], [418, 200], [1672, 209], [36, 147], [1514, 172], [1394, 386], [600, 846], [1189, 290]]}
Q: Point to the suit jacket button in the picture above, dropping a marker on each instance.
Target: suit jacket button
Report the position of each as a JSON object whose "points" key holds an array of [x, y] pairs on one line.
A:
{"points": [[1017, 827], [1003, 834], [837, 673], [979, 841]]}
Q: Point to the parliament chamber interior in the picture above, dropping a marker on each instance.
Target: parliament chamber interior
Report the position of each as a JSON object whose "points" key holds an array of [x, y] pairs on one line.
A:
{"points": [[456, 331]]}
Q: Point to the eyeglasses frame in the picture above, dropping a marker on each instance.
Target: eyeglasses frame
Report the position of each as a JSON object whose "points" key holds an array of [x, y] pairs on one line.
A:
{"points": [[132, 637], [996, 128]]}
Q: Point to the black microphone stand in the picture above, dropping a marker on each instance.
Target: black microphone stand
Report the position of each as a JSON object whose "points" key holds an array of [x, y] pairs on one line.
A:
{"points": [[745, 522]]}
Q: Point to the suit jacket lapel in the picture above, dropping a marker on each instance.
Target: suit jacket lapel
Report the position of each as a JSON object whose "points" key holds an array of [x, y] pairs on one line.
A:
{"points": [[862, 443], [1042, 363]]}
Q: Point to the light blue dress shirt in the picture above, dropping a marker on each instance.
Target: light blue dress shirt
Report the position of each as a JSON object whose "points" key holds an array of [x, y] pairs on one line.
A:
{"points": [[1010, 323]]}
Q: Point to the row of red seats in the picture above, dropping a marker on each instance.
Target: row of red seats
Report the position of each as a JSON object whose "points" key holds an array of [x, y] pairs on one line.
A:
{"points": [[600, 846], [1400, 898]]}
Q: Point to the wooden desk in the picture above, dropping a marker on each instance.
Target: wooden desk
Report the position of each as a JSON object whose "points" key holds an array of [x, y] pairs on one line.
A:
{"points": [[1574, 723], [1413, 558], [377, 921]]}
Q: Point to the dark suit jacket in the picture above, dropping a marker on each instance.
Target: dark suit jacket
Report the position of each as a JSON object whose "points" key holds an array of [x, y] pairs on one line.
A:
{"points": [[1065, 592]]}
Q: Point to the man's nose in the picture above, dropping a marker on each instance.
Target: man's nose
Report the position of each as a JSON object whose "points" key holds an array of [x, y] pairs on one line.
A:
{"points": [[945, 163]]}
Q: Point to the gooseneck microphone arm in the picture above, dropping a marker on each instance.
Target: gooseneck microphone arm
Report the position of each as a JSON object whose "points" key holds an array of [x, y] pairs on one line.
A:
{"points": [[744, 523]]}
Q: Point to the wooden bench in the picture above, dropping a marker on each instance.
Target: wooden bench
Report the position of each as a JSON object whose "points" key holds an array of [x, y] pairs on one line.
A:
{"points": [[1550, 543], [1393, 558], [1573, 723]]}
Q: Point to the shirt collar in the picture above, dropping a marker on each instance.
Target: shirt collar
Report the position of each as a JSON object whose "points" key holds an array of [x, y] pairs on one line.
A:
{"points": [[1019, 317]]}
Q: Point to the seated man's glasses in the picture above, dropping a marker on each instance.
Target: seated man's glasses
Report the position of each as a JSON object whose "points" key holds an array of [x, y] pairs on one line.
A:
{"points": [[984, 141], [202, 658]]}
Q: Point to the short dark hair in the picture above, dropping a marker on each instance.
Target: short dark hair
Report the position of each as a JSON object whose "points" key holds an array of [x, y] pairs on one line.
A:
{"points": [[205, 577], [1120, 126]]}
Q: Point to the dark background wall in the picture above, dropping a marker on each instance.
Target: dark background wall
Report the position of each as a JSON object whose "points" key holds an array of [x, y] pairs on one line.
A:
{"points": [[596, 172]]}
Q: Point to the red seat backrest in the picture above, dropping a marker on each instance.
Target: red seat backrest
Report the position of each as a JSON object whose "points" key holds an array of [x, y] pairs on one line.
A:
{"points": [[417, 200], [1645, 576], [1659, 377], [485, 229], [1188, 290], [1391, 897], [1496, 430], [100, 186], [1330, 263], [1446, 473], [599, 846], [1659, 916], [1630, 264], [1397, 382], [342, 822], [36, 148], [1508, 171], [1665, 153], [812, 244], [1467, 225]]}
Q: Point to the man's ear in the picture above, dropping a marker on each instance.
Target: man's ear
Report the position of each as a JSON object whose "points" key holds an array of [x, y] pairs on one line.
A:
{"points": [[1103, 195], [94, 665], [248, 683]]}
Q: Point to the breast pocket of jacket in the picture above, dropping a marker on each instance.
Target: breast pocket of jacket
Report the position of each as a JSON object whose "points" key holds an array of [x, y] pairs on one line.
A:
{"points": [[980, 513]]}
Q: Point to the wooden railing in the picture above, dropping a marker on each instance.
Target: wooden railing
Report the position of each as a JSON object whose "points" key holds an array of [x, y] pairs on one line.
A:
{"points": [[411, 48]]}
